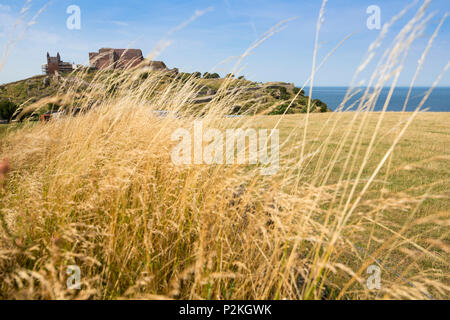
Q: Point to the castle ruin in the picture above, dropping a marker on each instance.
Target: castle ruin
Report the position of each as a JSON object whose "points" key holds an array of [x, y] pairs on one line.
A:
{"points": [[108, 58], [55, 65]]}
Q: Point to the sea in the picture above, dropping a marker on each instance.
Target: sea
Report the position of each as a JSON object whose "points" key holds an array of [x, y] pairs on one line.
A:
{"points": [[438, 101]]}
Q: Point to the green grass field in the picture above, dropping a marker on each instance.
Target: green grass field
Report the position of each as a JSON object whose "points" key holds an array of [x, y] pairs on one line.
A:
{"points": [[421, 159], [419, 168]]}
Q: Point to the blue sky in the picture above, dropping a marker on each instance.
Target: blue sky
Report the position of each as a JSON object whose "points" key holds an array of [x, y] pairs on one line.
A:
{"points": [[224, 31]]}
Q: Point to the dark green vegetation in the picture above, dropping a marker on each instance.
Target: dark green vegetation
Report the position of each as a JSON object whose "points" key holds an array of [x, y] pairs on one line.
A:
{"points": [[29, 90], [270, 98], [7, 109], [20, 94]]}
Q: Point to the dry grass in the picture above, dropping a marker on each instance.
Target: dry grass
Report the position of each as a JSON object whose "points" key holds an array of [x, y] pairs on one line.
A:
{"points": [[99, 190]]}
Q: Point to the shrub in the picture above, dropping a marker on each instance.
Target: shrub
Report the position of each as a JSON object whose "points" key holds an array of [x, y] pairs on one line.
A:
{"points": [[282, 109], [208, 75], [144, 75], [321, 105], [184, 76], [284, 94], [7, 109], [297, 90], [280, 93]]}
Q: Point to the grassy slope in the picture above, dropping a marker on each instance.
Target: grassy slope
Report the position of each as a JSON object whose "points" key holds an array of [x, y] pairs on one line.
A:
{"points": [[420, 163], [28, 91], [422, 148], [419, 166]]}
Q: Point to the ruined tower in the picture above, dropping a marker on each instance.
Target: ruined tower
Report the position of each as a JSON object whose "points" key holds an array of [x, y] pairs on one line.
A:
{"points": [[55, 64]]}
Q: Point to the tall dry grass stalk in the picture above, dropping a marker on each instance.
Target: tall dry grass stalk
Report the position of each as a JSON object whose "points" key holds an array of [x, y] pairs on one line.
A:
{"points": [[99, 190]]}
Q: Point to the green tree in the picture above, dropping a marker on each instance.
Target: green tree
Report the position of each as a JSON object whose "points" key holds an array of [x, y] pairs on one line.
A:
{"points": [[208, 75], [184, 76], [284, 95], [7, 109], [297, 90]]}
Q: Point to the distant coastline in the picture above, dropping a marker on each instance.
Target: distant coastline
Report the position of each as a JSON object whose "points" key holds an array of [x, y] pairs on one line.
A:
{"points": [[439, 100]]}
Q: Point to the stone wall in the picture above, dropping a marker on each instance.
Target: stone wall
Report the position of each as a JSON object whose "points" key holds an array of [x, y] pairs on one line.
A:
{"points": [[115, 58], [55, 64]]}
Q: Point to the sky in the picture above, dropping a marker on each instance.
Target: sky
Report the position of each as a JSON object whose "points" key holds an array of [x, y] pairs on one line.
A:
{"points": [[206, 35]]}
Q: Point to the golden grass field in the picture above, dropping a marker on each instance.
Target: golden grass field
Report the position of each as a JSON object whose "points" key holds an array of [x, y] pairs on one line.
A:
{"points": [[140, 227], [99, 190]]}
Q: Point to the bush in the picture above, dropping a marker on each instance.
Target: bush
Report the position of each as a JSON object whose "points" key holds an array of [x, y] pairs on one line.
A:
{"points": [[7, 109], [208, 75], [284, 94], [280, 93], [297, 90], [321, 105], [184, 76], [281, 109], [144, 75]]}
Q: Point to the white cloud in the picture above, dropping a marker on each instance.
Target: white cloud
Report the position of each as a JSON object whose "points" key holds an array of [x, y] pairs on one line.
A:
{"points": [[116, 22], [5, 8], [7, 22], [120, 23], [43, 37]]}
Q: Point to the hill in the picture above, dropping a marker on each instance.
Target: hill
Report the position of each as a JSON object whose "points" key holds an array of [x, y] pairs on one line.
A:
{"points": [[270, 98]]}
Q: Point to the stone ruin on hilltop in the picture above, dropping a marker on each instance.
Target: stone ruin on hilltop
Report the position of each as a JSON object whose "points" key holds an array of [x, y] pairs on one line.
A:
{"points": [[55, 65], [108, 58]]}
